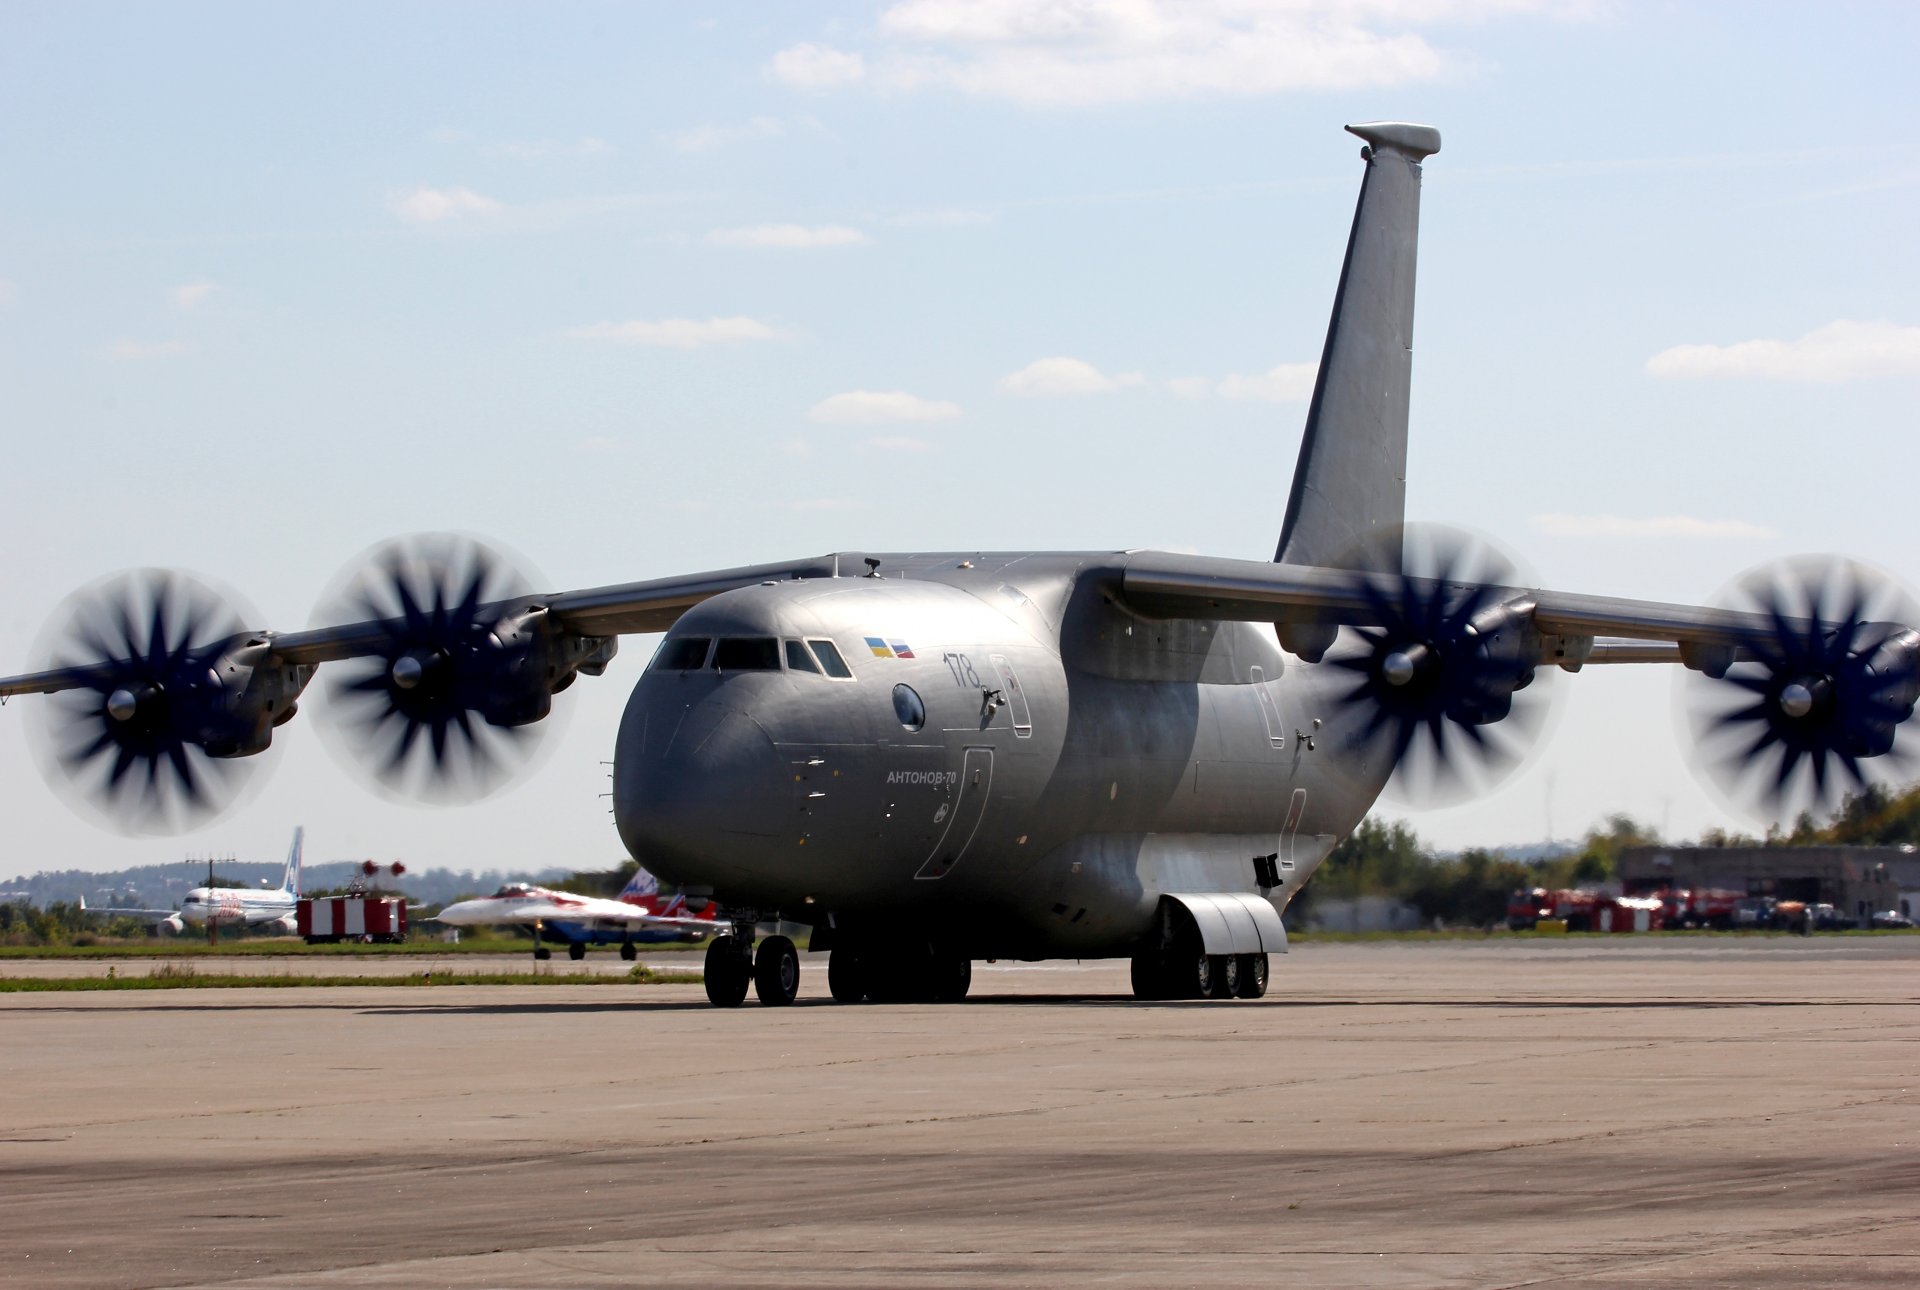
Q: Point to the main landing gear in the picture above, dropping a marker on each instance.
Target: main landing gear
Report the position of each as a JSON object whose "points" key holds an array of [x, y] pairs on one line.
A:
{"points": [[898, 973], [732, 963], [1192, 974]]}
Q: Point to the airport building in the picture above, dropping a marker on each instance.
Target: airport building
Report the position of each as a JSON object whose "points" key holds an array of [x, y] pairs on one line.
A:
{"points": [[1857, 881]]}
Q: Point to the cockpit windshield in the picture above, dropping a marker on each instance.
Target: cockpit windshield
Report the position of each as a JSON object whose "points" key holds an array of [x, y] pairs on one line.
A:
{"points": [[684, 654], [747, 654]]}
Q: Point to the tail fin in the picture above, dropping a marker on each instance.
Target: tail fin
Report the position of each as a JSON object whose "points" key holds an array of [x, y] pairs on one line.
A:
{"points": [[1351, 480], [291, 881], [642, 884]]}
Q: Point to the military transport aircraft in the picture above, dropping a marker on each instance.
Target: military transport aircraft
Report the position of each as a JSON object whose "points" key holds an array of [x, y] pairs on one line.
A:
{"points": [[582, 920], [937, 757]]}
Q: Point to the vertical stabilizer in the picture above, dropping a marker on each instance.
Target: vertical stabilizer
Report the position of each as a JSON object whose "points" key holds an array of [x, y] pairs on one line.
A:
{"points": [[291, 880], [1351, 481]]}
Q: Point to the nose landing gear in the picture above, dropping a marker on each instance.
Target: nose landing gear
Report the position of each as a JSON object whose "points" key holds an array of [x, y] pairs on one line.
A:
{"points": [[732, 964]]}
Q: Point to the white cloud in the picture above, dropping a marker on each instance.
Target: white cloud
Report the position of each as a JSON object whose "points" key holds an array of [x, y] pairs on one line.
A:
{"points": [[679, 333], [1655, 526], [1052, 377], [705, 138], [1840, 351], [432, 205], [900, 443], [540, 149], [139, 349], [874, 407], [1287, 383], [1084, 52], [787, 236], [808, 66], [191, 295]]}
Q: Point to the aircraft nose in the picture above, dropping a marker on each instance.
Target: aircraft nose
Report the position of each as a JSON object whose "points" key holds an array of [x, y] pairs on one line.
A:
{"points": [[703, 804]]}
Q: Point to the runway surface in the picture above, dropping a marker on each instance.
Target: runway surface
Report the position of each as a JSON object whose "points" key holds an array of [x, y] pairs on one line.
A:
{"points": [[1607, 1111]]}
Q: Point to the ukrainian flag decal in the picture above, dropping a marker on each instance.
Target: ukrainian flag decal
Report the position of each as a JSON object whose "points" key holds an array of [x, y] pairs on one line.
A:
{"points": [[879, 647]]}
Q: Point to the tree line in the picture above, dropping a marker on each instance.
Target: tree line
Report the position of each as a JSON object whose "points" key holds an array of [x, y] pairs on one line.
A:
{"points": [[1387, 858]]}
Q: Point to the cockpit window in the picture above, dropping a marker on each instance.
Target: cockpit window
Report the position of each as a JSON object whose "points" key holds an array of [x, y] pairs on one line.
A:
{"points": [[686, 654], [830, 660], [747, 654], [798, 660]]}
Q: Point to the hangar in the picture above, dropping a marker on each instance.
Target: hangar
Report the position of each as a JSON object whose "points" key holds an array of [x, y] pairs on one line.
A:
{"points": [[1858, 881]]}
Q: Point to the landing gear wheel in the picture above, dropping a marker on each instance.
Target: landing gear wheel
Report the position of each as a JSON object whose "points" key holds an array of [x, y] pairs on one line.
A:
{"points": [[1223, 976], [542, 953], [629, 951], [728, 969], [776, 972], [846, 976], [1150, 977], [1253, 976], [576, 950], [1199, 977], [950, 977]]}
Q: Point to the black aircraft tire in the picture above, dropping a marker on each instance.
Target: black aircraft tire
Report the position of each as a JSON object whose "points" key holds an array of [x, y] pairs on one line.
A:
{"points": [[727, 972], [1223, 976], [1197, 980], [629, 951], [576, 950], [1150, 977], [776, 972], [952, 976], [1253, 976], [846, 975], [542, 953]]}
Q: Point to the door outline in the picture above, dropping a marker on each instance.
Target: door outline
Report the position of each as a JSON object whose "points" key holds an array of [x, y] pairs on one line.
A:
{"points": [[1290, 831], [1269, 713], [963, 821], [1015, 696]]}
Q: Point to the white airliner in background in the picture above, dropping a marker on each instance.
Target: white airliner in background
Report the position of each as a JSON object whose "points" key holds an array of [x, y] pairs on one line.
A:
{"points": [[228, 906]]}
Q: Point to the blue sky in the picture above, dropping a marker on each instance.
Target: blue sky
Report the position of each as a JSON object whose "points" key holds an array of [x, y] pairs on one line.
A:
{"points": [[639, 289]]}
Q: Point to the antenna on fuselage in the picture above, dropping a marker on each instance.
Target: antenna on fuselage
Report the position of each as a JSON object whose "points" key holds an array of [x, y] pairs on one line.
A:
{"points": [[873, 566]]}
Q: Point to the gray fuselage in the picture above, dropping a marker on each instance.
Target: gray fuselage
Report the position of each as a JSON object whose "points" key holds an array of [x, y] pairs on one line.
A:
{"points": [[1075, 761]]}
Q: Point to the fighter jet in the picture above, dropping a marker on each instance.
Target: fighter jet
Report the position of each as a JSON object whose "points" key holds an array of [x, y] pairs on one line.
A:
{"points": [[578, 918], [937, 757]]}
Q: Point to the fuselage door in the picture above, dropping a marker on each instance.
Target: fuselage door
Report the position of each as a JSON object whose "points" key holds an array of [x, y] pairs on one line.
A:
{"points": [[1268, 712], [963, 819], [1015, 696]]}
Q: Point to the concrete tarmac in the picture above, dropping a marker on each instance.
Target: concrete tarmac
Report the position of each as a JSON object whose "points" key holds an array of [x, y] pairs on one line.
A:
{"points": [[1597, 1111]]}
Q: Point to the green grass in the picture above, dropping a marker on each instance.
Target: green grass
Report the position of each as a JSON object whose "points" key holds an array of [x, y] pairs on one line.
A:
{"points": [[182, 976]]}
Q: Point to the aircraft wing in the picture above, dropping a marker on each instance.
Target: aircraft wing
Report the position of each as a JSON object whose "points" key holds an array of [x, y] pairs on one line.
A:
{"points": [[145, 915], [1579, 628], [566, 909], [591, 614]]}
